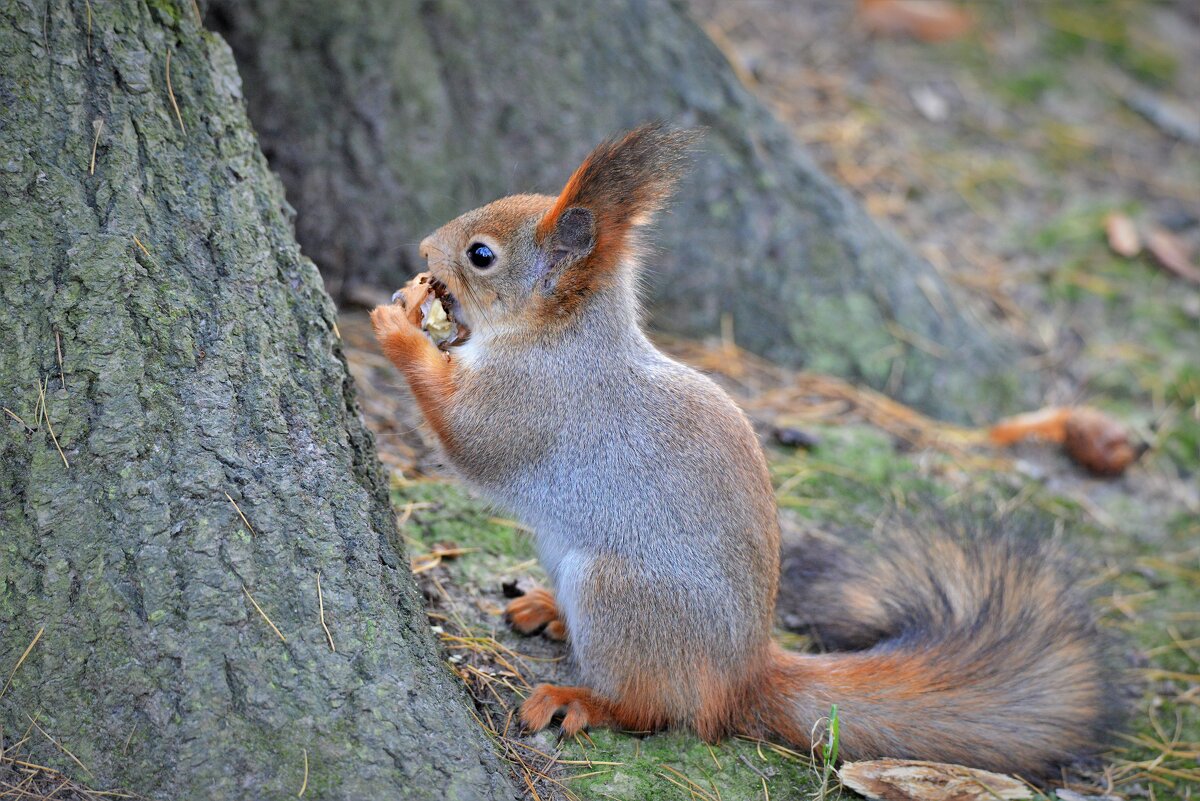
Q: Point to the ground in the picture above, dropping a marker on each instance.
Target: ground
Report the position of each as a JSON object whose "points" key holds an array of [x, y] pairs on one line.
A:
{"points": [[998, 156]]}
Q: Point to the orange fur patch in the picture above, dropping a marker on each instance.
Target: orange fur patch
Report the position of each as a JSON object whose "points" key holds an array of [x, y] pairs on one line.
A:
{"points": [[534, 610], [580, 707], [428, 370]]}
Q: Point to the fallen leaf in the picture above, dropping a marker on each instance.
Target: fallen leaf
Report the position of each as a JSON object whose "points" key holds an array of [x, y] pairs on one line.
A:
{"points": [[795, 437], [1170, 251], [927, 20], [1099, 443], [905, 780], [1122, 235], [1091, 438]]}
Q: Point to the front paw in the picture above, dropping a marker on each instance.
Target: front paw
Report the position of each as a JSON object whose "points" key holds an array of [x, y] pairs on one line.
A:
{"points": [[396, 320]]}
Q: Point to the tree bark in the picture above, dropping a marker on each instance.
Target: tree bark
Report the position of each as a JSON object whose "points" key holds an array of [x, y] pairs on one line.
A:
{"points": [[386, 118], [199, 359]]}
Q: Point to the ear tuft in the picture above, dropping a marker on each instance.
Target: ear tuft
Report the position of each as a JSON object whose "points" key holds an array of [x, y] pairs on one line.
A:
{"points": [[623, 182]]}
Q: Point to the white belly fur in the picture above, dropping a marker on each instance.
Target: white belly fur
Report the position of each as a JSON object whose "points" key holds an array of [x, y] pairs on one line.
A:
{"points": [[567, 567]]}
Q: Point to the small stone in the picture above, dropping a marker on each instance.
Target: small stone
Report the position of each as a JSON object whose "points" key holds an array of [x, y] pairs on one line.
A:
{"points": [[795, 438], [932, 106]]}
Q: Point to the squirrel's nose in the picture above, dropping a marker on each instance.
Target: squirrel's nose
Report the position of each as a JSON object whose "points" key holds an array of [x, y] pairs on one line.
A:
{"points": [[425, 247]]}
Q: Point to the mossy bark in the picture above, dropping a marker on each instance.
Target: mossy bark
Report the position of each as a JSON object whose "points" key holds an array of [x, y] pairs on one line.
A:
{"points": [[385, 118], [199, 358]]}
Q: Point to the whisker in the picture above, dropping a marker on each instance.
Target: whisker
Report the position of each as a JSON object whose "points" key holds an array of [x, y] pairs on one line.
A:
{"points": [[473, 295]]}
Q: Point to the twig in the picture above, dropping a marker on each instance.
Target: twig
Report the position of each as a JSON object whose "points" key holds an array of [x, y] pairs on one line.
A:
{"points": [[171, 94], [98, 124], [304, 784], [21, 661], [37, 409], [274, 628], [138, 242], [750, 765], [58, 339], [49, 425], [61, 747], [253, 533], [321, 612], [694, 788], [88, 3], [691, 793], [17, 417], [713, 754]]}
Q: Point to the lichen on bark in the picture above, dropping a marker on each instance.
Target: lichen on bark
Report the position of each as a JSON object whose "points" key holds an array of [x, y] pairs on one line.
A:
{"points": [[200, 367]]}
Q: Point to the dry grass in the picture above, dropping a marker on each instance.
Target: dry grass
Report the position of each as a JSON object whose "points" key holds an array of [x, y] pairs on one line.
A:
{"points": [[49, 425], [274, 628], [1161, 756], [242, 515], [321, 614], [495, 675], [21, 660], [171, 94], [24, 779], [787, 397]]}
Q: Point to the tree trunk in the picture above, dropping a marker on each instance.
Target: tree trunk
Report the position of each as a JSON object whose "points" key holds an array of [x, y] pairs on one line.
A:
{"points": [[386, 118], [199, 359]]}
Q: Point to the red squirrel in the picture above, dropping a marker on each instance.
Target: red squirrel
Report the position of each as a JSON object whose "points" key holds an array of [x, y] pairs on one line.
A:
{"points": [[656, 522]]}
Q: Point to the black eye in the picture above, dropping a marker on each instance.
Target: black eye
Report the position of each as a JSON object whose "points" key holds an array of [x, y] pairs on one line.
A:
{"points": [[481, 255]]}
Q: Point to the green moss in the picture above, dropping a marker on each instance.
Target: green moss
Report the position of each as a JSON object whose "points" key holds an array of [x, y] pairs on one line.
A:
{"points": [[655, 767], [168, 12], [1072, 227], [848, 479], [446, 514], [1181, 437], [1109, 26], [1027, 86]]}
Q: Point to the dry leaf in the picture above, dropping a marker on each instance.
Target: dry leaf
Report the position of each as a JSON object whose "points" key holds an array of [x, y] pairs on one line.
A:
{"points": [[1170, 251], [927, 20], [1122, 235], [1099, 443], [1091, 438], [905, 780]]}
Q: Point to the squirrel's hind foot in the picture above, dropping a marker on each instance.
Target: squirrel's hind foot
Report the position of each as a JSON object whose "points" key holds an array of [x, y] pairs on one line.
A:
{"points": [[580, 709], [536, 611]]}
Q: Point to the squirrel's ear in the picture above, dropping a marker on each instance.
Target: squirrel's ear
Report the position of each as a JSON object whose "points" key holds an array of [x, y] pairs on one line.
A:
{"points": [[572, 239], [619, 186]]}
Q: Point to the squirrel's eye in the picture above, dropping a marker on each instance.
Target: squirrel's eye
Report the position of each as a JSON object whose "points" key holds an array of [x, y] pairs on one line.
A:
{"points": [[481, 255]]}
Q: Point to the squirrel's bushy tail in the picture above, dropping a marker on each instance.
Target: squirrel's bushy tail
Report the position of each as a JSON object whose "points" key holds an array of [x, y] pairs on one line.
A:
{"points": [[976, 648]]}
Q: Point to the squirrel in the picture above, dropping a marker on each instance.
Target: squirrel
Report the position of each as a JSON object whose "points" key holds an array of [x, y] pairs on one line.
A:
{"points": [[656, 521]]}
